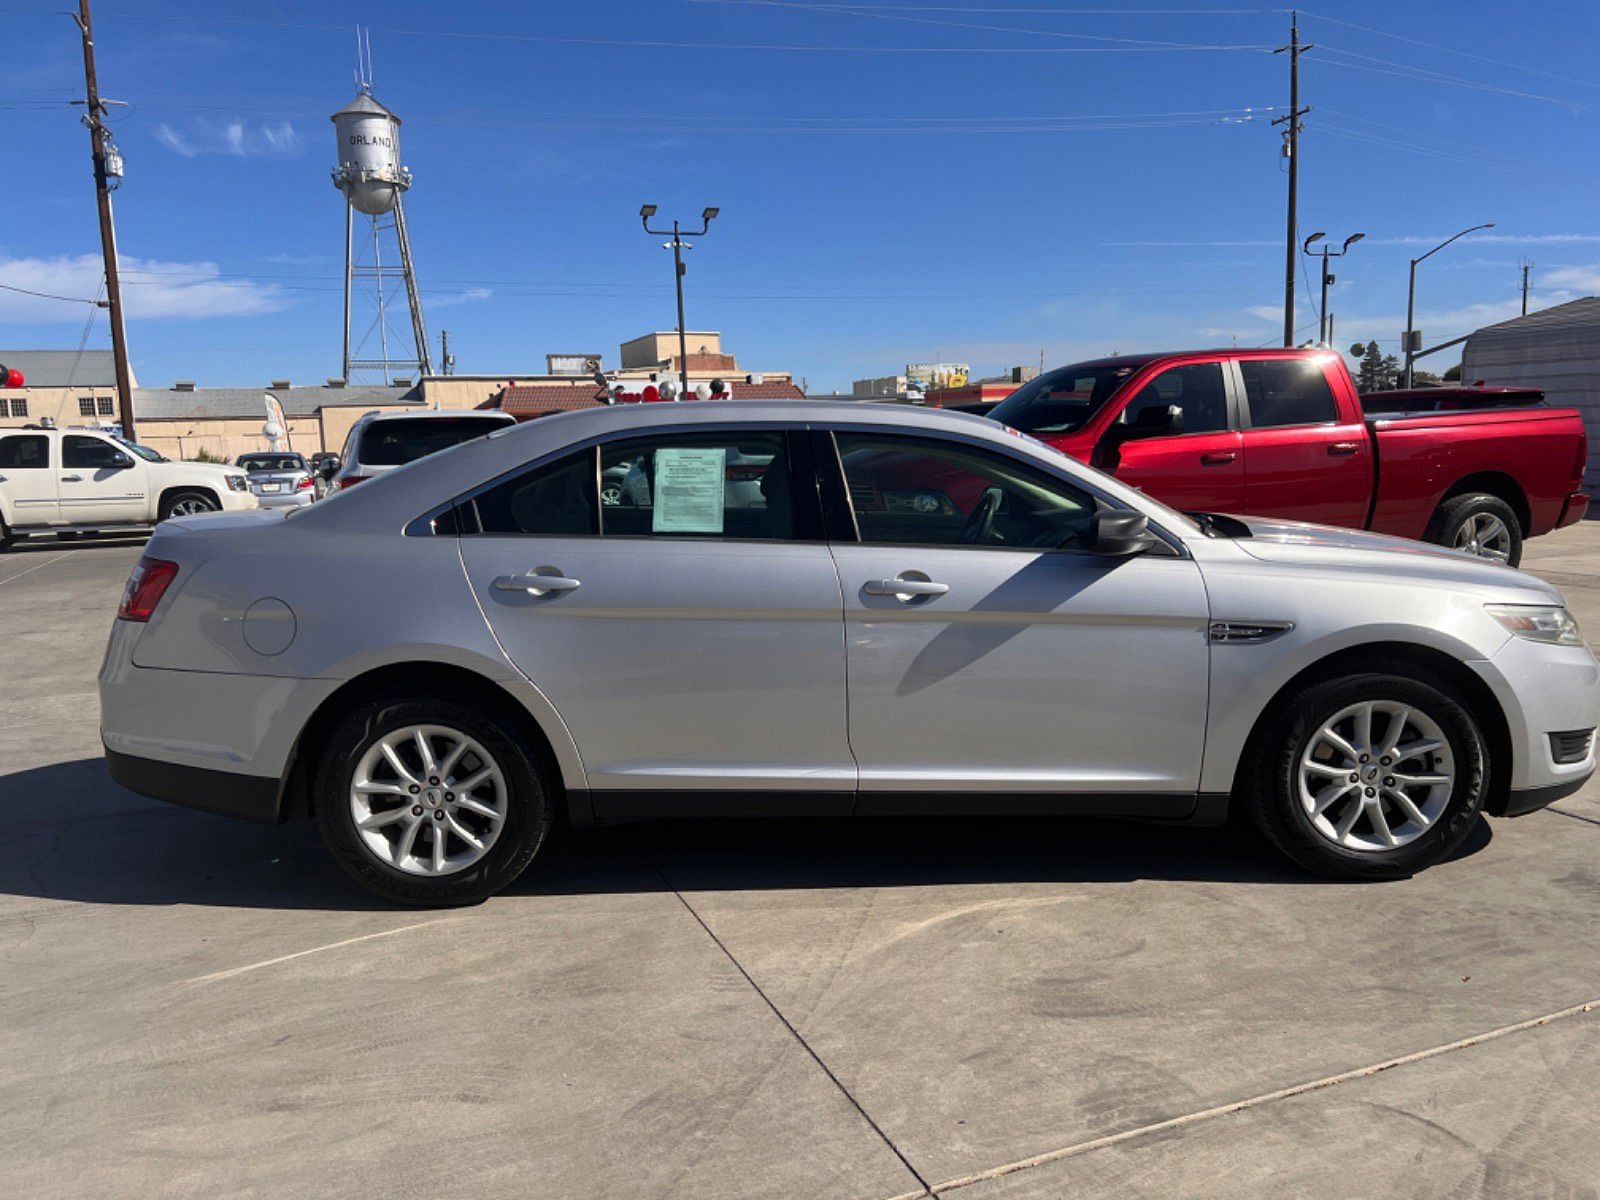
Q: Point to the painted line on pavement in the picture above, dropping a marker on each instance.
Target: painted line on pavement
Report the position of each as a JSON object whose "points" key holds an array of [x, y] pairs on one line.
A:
{"points": [[231, 972], [1223, 1110], [32, 569]]}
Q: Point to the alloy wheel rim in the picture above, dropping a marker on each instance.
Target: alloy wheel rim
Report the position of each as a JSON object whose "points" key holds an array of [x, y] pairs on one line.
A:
{"points": [[1486, 536], [191, 506], [1376, 775], [428, 800]]}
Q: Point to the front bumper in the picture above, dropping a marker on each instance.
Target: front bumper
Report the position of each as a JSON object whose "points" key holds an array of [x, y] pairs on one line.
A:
{"points": [[247, 797], [1543, 689]]}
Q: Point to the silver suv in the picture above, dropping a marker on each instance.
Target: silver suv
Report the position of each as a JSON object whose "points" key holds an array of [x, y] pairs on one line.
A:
{"points": [[381, 441], [823, 609]]}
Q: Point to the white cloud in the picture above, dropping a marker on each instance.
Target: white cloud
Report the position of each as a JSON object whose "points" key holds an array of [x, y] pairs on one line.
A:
{"points": [[470, 296], [152, 289], [1579, 278], [235, 136]]}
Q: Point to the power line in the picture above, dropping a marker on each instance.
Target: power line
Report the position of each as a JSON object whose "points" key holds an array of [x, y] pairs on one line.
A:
{"points": [[1410, 71], [1055, 12], [1400, 37], [47, 295]]}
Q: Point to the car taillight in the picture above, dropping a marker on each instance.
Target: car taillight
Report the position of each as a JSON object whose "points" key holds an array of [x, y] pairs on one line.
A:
{"points": [[350, 481], [149, 582], [303, 485]]}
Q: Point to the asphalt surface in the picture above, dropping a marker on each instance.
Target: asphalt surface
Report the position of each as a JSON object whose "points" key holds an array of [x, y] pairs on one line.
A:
{"points": [[198, 1007]]}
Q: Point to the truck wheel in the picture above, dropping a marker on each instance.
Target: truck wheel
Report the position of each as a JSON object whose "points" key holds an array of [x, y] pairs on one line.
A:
{"points": [[1480, 524], [1374, 775], [431, 801], [187, 504], [6, 536]]}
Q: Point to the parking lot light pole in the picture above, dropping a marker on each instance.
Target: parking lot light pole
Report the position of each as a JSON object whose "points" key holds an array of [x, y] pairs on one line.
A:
{"points": [[1411, 296], [1324, 324], [677, 245]]}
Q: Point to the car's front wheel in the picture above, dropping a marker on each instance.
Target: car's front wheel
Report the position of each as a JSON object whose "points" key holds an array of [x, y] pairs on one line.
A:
{"points": [[1375, 775], [431, 801], [188, 504]]}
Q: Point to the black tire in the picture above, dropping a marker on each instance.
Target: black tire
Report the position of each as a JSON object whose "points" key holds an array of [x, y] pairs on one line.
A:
{"points": [[1273, 790], [1454, 514], [170, 507], [7, 538], [528, 809]]}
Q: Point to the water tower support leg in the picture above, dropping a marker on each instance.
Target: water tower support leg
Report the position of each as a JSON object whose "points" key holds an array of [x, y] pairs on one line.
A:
{"points": [[418, 329]]}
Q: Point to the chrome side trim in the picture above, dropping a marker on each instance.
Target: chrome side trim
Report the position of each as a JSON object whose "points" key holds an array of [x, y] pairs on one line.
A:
{"points": [[1248, 631]]}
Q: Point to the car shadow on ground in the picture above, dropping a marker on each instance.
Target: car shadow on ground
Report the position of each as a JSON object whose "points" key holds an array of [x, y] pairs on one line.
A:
{"points": [[77, 836]]}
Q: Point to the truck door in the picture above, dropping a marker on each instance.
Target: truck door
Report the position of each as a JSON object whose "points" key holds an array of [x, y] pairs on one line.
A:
{"points": [[101, 483], [26, 480], [1193, 464], [1305, 457]]}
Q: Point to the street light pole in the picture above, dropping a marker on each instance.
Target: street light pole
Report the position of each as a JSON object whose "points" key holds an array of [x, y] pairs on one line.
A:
{"points": [[1324, 322], [678, 245], [1411, 296]]}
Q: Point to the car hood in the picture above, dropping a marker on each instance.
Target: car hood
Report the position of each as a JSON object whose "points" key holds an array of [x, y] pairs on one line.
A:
{"points": [[1297, 543]]}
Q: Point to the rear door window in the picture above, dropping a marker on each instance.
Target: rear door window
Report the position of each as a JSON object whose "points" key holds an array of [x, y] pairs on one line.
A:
{"points": [[552, 500], [1287, 391], [25, 452], [395, 443]]}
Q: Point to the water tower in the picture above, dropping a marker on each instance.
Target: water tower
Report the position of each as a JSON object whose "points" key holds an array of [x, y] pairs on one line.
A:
{"points": [[377, 248]]}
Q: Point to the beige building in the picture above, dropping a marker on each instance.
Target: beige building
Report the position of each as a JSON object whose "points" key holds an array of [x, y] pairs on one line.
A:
{"points": [[65, 387]]}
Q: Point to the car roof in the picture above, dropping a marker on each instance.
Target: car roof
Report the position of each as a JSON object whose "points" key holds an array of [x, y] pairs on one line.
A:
{"points": [[604, 419], [372, 418]]}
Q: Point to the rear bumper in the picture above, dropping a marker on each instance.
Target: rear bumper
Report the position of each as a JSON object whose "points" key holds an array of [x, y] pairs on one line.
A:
{"points": [[247, 797], [287, 499], [1573, 510]]}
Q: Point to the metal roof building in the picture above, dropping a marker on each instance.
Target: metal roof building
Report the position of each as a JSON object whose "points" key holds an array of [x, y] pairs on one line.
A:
{"points": [[221, 404], [1557, 350], [63, 368]]}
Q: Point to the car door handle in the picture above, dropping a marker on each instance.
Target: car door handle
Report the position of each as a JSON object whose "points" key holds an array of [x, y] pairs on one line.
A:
{"points": [[1337, 449], [1218, 458], [536, 583], [72, 479], [904, 589]]}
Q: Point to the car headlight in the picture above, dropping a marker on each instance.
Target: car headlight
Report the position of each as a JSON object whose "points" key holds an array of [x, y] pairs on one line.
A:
{"points": [[237, 483], [1538, 623]]}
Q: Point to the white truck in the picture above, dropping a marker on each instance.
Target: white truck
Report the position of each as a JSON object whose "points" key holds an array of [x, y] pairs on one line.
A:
{"points": [[68, 481]]}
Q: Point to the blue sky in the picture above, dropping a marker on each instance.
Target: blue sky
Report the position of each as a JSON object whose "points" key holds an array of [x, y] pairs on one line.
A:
{"points": [[979, 180]]}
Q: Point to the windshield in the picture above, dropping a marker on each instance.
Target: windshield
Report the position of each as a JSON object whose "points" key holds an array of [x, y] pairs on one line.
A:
{"points": [[1062, 400], [395, 443], [143, 452]]}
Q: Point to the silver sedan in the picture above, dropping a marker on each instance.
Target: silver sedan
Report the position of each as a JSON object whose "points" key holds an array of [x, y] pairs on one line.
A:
{"points": [[809, 608]]}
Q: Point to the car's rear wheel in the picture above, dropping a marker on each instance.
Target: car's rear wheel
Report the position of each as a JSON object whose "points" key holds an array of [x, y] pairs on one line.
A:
{"points": [[431, 801], [1374, 775], [1480, 524], [188, 504]]}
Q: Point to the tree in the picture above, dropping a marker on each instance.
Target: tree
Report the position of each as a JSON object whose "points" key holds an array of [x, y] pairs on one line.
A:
{"points": [[1453, 375], [1377, 371]]}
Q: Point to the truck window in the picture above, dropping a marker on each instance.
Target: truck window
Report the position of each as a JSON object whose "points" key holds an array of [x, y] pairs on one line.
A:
{"points": [[1287, 391], [27, 452], [90, 452], [1196, 388]]}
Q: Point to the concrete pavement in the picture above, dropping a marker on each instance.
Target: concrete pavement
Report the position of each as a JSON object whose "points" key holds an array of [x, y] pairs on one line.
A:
{"points": [[1001, 1009]]}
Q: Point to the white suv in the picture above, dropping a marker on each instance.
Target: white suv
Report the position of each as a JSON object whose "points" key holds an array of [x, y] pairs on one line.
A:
{"points": [[382, 441], [71, 480]]}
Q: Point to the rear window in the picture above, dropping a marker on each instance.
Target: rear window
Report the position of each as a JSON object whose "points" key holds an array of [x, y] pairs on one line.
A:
{"points": [[272, 462], [395, 443]]}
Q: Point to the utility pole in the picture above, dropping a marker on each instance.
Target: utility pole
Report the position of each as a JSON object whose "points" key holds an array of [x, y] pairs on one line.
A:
{"points": [[1291, 151], [447, 359], [1527, 265], [107, 166]]}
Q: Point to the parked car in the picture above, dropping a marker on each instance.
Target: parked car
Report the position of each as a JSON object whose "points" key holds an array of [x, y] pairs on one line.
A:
{"points": [[279, 479], [1283, 433], [70, 481], [439, 663], [321, 473], [381, 441]]}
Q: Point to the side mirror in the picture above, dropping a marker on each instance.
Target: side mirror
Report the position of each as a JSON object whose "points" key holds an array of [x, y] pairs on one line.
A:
{"points": [[1121, 533], [1157, 421], [121, 461]]}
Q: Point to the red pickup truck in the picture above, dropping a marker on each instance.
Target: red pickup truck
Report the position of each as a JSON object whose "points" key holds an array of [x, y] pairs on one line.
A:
{"points": [[1283, 433]]}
